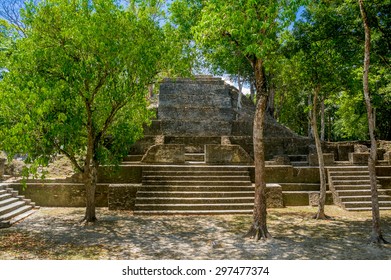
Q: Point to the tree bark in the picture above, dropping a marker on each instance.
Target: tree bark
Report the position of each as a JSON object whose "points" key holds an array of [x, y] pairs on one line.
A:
{"points": [[322, 121], [90, 187], [271, 101], [258, 229], [252, 92], [240, 84], [376, 236], [90, 169], [322, 172], [310, 132]]}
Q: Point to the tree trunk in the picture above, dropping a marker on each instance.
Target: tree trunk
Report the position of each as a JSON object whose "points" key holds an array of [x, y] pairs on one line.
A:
{"points": [[252, 92], [322, 121], [271, 101], [240, 84], [259, 229], [322, 172], [90, 170], [376, 236], [90, 187], [310, 132]]}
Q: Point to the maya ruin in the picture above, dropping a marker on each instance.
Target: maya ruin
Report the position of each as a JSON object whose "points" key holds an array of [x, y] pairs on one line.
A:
{"points": [[196, 158]]}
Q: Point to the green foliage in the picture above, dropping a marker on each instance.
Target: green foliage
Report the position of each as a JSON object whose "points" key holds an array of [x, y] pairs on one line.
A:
{"points": [[78, 81], [325, 47]]}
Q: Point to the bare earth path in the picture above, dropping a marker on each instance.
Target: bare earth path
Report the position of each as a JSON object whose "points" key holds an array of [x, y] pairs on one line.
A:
{"points": [[54, 233]]}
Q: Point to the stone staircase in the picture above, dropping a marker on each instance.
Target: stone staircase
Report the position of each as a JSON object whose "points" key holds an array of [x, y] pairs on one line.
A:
{"points": [[195, 189], [352, 191], [13, 207]]}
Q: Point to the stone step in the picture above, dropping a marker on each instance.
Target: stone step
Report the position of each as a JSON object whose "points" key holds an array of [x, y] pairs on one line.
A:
{"points": [[198, 188], [364, 198], [11, 217], [193, 178], [349, 173], [11, 207], [8, 201], [350, 177], [354, 187], [351, 182], [133, 158], [193, 212], [299, 163], [299, 187], [359, 192], [197, 183], [193, 200], [5, 195], [199, 194], [216, 206], [366, 208], [195, 173], [207, 168], [344, 168], [365, 204], [298, 158], [195, 157]]}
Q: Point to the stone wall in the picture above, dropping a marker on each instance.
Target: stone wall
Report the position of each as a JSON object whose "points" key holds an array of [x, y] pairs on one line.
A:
{"points": [[122, 196], [226, 154], [61, 194], [195, 107], [165, 154]]}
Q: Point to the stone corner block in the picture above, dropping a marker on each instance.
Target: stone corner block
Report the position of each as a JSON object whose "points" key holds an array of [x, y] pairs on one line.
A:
{"points": [[274, 196]]}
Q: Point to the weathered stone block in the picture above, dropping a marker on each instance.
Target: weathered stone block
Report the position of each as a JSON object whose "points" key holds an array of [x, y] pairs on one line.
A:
{"points": [[226, 154], [274, 196], [328, 159], [122, 196], [359, 148], [313, 198], [120, 174], [2, 166], [387, 157], [225, 140], [61, 194], [359, 158], [159, 154], [281, 160]]}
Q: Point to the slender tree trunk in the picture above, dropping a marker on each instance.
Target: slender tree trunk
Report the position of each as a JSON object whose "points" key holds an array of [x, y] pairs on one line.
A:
{"points": [[90, 170], [376, 236], [90, 186], [258, 229], [252, 92], [322, 172], [271, 102], [322, 120], [240, 84], [310, 131], [329, 128]]}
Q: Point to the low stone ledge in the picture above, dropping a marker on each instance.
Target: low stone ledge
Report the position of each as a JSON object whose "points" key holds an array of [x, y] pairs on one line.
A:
{"points": [[122, 196], [274, 196], [328, 159], [165, 154], [2, 166], [359, 158], [60, 194], [227, 154], [313, 198], [280, 160]]}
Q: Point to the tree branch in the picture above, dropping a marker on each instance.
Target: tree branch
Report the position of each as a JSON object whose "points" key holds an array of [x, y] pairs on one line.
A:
{"points": [[70, 157]]}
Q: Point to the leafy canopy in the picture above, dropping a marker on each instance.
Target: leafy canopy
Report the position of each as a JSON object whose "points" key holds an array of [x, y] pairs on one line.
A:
{"points": [[78, 80]]}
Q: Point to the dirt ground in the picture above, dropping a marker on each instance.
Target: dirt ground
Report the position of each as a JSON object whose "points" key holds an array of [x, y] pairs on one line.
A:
{"points": [[54, 233]]}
